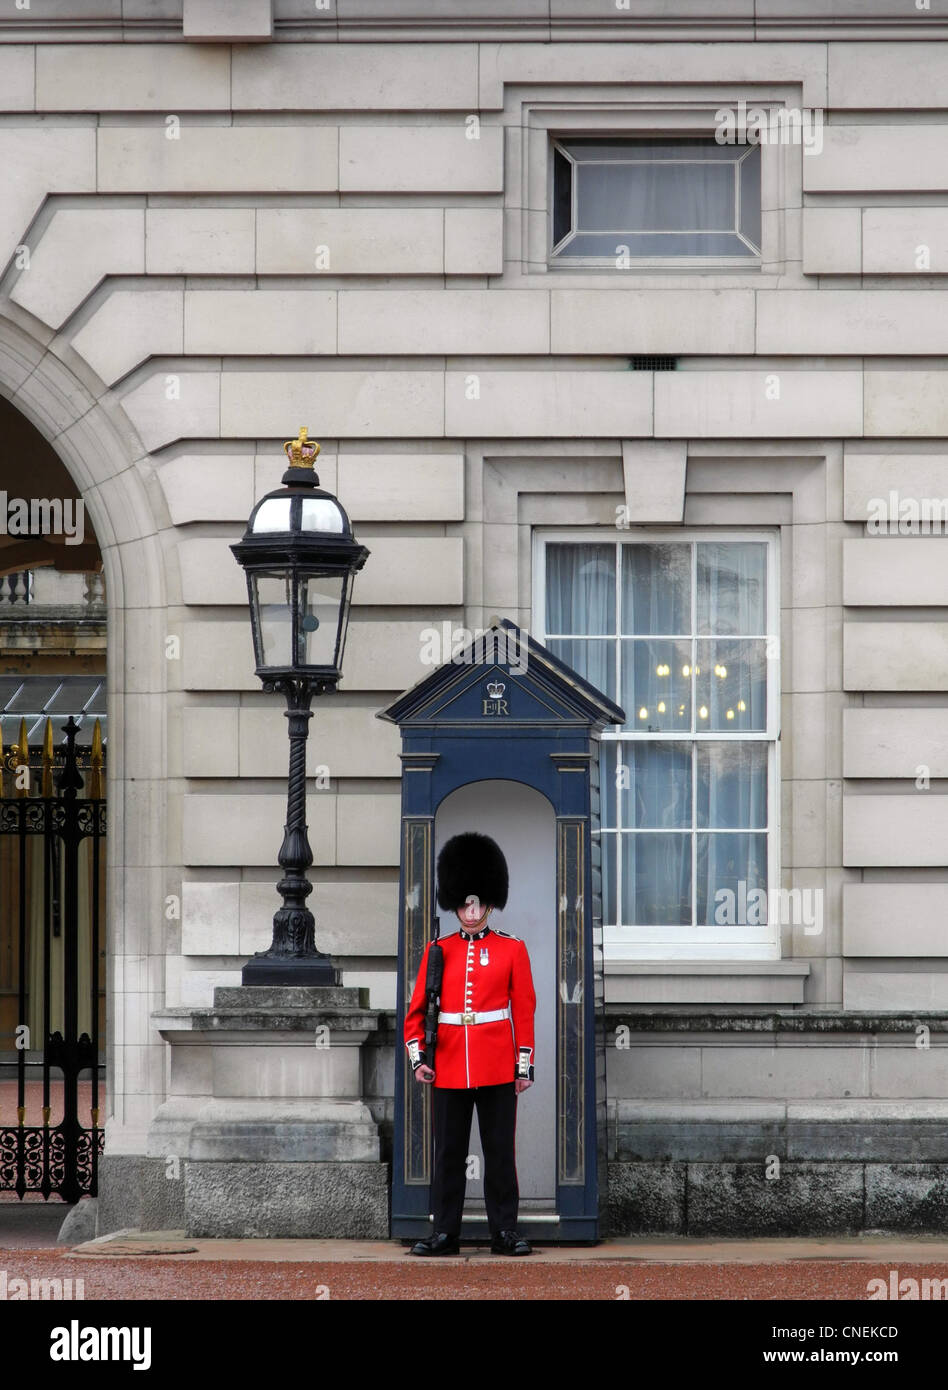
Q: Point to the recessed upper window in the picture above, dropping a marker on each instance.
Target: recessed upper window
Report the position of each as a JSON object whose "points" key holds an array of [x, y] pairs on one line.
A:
{"points": [[621, 200]]}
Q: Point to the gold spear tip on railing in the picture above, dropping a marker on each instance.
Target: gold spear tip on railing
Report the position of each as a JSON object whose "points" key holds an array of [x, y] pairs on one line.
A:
{"points": [[47, 782], [96, 759], [302, 451], [23, 757]]}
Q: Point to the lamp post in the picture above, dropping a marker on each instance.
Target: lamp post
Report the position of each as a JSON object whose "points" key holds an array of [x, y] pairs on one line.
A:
{"points": [[300, 558]]}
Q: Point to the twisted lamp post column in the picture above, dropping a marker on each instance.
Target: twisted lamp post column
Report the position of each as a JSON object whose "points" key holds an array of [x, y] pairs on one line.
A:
{"points": [[294, 926]]}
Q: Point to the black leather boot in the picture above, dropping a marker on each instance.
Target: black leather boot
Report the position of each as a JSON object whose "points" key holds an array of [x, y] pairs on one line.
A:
{"points": [[438, 1244], [510, 1243]]}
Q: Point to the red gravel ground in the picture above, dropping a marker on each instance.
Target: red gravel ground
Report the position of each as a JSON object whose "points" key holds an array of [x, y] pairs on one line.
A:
{"points": [[151, 1277]]}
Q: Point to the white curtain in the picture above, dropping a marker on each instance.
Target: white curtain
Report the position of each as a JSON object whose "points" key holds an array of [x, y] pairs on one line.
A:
{"points": [[581, 589], [731, 588], [731, 784], [656, 590], [731, 684], [581, 598], [656, 867], [656, 197]]}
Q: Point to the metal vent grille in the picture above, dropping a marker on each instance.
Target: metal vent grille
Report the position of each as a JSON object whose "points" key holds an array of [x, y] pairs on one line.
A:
{"points": [[653, 364]]}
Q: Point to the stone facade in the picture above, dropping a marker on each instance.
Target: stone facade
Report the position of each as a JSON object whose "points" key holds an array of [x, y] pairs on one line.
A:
{"points": [[222, 221]]}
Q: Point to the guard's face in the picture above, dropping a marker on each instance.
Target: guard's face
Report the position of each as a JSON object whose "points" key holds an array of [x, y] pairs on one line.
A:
{"points": [[472, 911]]}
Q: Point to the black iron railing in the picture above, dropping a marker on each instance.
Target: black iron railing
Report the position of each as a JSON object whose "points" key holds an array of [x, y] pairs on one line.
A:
{"points": [[46, 814]]}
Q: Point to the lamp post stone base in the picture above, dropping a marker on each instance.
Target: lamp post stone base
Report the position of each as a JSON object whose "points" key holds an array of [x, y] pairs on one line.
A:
{"points": [[308, 971], [264, 1127], [314, 1201]]}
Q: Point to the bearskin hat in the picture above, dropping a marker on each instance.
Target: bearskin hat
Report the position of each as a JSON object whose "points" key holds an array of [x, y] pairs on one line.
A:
{"points": [[471, 865]]}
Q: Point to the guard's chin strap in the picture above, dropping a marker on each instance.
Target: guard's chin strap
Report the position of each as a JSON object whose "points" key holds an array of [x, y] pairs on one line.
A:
{"points": [[477, 925]]}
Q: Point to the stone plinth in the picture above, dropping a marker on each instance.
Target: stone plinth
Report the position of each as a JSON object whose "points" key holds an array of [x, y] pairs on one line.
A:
{"points": [[264, 1132]]}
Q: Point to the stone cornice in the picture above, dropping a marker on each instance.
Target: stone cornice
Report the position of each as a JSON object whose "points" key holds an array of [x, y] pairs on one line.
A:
{"points": [[525, 21]]}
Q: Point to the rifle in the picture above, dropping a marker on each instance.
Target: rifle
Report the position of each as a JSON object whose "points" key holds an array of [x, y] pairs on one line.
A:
{"points": [[433, 978]]}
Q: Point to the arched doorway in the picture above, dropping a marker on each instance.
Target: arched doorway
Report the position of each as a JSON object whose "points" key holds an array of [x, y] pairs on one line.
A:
{"points": [[91, 435], [53, 746], [522, 822]]}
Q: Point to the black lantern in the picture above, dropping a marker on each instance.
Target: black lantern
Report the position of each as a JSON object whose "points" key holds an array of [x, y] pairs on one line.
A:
{"points": [[301, 559]]}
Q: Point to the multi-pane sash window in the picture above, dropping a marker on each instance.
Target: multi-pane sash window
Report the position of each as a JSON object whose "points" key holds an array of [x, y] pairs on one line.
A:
{"points": [[615, 201], [680, 634]]}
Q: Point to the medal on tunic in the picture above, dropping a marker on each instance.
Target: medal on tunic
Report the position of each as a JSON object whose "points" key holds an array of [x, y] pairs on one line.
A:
{"points": [[484, 956]]}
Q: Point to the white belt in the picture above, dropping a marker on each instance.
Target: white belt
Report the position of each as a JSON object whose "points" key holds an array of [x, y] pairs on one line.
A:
{"points": [[492, 1016]]}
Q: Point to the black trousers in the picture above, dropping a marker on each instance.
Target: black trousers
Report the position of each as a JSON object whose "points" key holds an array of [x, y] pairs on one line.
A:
{"points": [[497, 1122]]}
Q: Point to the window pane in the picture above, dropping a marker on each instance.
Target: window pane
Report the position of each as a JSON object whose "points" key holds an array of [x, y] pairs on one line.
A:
{"points": [[750, 196], [654, 782], [320, 604], [656, 685], [655, 197], [562, 196], [273, 514], [730, 869], [730, 686], [606, 245], [610, 753], [580, 589], [656, 880], [594, 660], [275, 605], [732, 587], [321, 514], [656, 589], [731, 785]]}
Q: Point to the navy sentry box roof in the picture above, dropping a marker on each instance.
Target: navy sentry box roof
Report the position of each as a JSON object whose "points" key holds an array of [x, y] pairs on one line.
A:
{"points": [[547, 692], [542, 729]]}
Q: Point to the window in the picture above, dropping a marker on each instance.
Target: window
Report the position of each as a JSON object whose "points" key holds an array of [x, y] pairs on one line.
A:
{"points": [[679, 632], [674, 200]]}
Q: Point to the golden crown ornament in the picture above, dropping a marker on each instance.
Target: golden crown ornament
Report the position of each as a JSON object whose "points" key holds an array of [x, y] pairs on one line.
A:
{"points": [[302, 451]]}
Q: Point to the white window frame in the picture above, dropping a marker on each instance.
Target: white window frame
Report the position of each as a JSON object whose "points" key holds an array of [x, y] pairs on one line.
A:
{"points": [[669, 942], [681, 110], [556, 260]]}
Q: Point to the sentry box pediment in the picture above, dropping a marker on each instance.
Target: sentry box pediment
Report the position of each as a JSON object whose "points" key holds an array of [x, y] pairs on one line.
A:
{"points": [[503, 675]]}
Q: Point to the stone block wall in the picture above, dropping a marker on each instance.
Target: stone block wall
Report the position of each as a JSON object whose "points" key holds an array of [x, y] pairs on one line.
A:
{"points": [[339, 218]]}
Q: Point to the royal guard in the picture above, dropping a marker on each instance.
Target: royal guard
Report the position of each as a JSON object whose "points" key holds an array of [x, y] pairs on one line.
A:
{"points": [[480, 992]]}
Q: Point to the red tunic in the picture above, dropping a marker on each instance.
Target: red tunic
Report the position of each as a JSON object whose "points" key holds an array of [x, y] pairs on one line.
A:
{"points": [[481, 974]]}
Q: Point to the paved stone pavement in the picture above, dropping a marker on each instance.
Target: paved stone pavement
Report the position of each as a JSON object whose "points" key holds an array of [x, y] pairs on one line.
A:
{"points": [[167, 1265]]}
